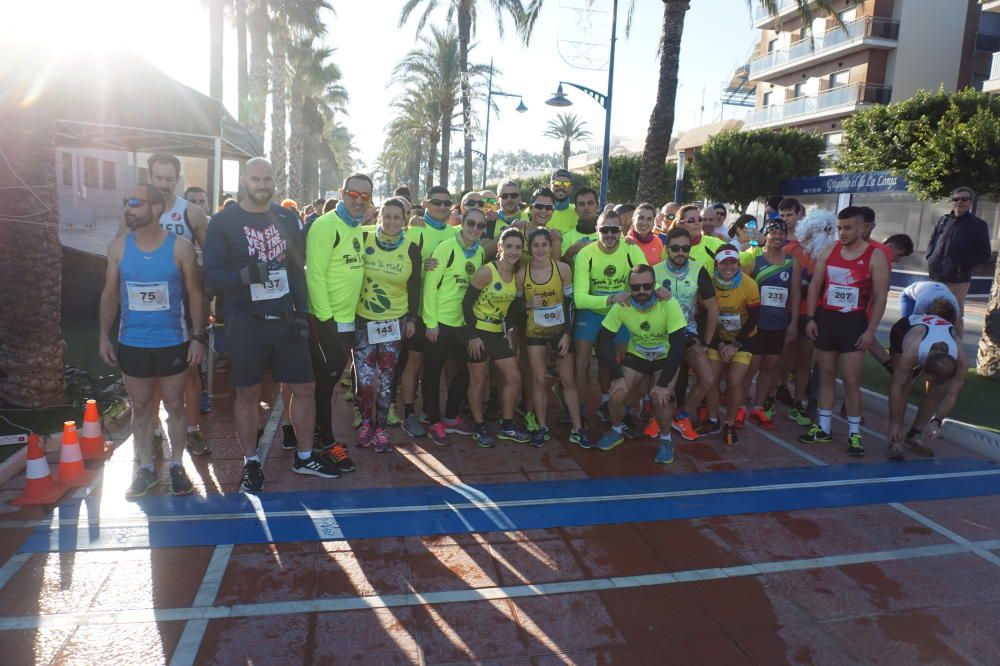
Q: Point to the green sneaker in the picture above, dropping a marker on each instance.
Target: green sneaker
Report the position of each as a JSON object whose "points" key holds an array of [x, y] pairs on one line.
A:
{"points": [[769, 408], [530, 422], [392, 418], [798, 414], [815, 436], [356, 423], [196, 444], [854, 446]]}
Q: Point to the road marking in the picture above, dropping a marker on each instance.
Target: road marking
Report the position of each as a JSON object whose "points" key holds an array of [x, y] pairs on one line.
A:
{"points": [[12, 566], [203, 614]]}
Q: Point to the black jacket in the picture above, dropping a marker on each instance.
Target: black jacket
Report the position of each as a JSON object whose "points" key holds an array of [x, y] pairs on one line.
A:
{"points": [[957, 245]]}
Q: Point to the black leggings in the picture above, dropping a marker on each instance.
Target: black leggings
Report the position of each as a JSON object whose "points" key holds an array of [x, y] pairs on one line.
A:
{"points": [[330, 353], [451, 341]]}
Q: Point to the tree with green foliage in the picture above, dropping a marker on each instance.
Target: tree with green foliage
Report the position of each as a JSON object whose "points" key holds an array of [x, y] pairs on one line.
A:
{"points": [[742, 167], [623, 179]]}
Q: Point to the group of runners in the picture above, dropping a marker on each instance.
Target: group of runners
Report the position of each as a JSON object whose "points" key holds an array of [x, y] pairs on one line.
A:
{"points": [[500, 302]]}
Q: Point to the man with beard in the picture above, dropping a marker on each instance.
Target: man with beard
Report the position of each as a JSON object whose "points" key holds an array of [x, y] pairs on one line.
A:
{"points": [[564, 217], [585, 230], [255, 255], [148, 272]]}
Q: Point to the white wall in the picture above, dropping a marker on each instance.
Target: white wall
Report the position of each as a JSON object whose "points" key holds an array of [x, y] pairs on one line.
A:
{"points": [[930, 46]]}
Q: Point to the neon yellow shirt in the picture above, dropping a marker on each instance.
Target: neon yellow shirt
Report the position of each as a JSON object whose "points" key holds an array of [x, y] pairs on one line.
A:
{"points": [[700, 252], [598, 274], [493, 301], [428, 238], [335, 268], [563, 220], [650, 329], [387, 272], [572, 237], [445, 286]]}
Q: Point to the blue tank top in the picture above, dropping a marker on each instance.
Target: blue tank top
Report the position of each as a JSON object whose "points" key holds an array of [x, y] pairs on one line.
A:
{"points": [[774, 281], [152, 296]]}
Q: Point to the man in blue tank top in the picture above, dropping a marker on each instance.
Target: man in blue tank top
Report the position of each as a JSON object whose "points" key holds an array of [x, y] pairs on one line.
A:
{"points": [[149, 270]]}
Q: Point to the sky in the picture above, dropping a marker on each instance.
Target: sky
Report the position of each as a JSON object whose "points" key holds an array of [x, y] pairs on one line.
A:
{"points": [[174, 36]]}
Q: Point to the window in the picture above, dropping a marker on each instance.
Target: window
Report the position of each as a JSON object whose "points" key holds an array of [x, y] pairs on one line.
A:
{"points": [[848, 15], [108, 175], [803, 33], [91, 178], [838, 79], [67, 169], [798, 90], [772, 45], [766, 99], [832, 141]]}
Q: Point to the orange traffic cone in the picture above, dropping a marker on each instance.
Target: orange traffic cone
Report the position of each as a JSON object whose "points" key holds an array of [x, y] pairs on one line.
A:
{"points": [[71, 469], [39, 488], [92, 443]]}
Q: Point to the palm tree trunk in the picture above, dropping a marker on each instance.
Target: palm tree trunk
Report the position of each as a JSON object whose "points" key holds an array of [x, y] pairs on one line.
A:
{"points": [[279, 103], [566, 154], [432, 161], [296, 141], [464, 35], [310, 170], [988, 358], [445, 146], [413, 170], [661, 121], [259, 66], [242, 76], [31, 345]]}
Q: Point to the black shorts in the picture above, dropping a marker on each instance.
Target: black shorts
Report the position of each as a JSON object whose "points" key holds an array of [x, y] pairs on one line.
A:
{"points": [[553, 342], [257, 346], [496, 345], [418, 343], [145, 362], [770, 343], [896, 335], [839, 331], [803, 320], [643, 366]]}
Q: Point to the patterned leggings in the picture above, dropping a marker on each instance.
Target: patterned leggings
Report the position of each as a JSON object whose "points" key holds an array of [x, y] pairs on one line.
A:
{"points": [[374, 366]]}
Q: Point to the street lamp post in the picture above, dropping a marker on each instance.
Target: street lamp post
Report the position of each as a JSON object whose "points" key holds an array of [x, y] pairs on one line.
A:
{"points": [[560, 99], [521, 108]]}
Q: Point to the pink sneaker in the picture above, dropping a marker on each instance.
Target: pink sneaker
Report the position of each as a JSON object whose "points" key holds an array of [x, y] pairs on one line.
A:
{"points": [[365, 434], [457, 426], [381, 441], [438, 434]]}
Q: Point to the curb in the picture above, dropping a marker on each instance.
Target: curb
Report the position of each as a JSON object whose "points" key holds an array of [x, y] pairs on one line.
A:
{"points": [[13, 465], [975, 439]]}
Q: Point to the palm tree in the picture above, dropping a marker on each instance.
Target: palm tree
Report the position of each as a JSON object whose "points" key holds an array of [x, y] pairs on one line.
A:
{"points": [[465, 12], [567, 127], [336, 156], [661, 120], [258, 25]]}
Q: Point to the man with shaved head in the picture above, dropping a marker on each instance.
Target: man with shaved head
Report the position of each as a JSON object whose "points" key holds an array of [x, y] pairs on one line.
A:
{"points": [[255, 256]]}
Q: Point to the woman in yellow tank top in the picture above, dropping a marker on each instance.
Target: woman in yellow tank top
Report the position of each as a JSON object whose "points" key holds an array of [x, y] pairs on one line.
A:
{"points": [[486, 303], [547, 288]]}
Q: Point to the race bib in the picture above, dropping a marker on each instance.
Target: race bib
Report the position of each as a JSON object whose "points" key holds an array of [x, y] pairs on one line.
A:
{"points": [[730, 322], [275, 286], [148, 296], [550, 316], [652, 353], [383, 331], [345, 328], [775, 297], [841, 297]]}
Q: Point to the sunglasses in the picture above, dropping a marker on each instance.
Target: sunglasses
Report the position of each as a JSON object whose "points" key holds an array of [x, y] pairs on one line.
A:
{"points": [[510, 195], [562, 183], [613, 231], [672, 217], [475, 225], [473, 203], [439, 202], [134, 202], [679, 248], [364, 196], [490, 200], [541, 206], [642, 286], [957, 199]]}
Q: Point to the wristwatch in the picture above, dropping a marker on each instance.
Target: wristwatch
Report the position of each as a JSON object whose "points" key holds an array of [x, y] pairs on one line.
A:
{"points": [[200, 337]]}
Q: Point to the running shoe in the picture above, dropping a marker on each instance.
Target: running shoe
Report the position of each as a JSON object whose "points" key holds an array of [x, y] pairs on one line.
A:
{"points": [[365, 432], [854, 446], [815, 436], [729, 435], [769, 408], [316, 464], [760, 417], [412, 427], [381, 441], [664, 452], [438, 434], [916, 445], [685, 428], [338, 454], [483, 437], [610, 440], [205, 405], [708, 427], [652, 429], [579, 437], [144, 481], [511, 433], [741, 418], [196, 443], [539, 437], [798, 414], [530, 422], [784, 395], [180, 484], [288, 439], [392, 418], [457, 426], [356, 422], [632, 431], [604, 412], [253, 477]]}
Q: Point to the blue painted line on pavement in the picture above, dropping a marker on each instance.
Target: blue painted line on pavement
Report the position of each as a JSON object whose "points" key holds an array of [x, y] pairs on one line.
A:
{"points": [[426, 510]]}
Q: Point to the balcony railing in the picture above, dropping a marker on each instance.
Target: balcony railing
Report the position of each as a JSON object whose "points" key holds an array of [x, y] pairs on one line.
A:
{"points": [[988, 41], [995, 68], [854, 31], [844, 96], [760, 13]]}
